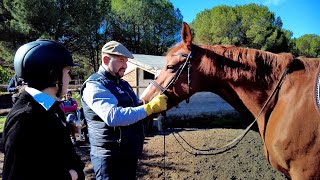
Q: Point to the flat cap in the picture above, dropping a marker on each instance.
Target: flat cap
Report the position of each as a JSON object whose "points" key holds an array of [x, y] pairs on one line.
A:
{"points": [[116, 48]]}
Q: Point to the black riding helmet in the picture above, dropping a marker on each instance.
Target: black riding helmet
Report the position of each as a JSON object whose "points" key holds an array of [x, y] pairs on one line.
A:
{"points": [[40, 63]]}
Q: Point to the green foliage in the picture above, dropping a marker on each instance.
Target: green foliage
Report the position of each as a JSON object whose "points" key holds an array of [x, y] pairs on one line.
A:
{"points": [[248, 26], [73, 23], [148, 27], [29, 18], [225, 34], [5, 75], [212, 30], [77, 97], [84, 26], [2, 121], [278, 41], [6, 61], [201, 26], [86, 40], [6, 54], [308, 45]]}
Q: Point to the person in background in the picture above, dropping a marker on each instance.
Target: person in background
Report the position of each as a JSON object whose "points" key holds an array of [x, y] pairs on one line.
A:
{"points": [[35, 139], [13, 87], [114, 115], [70, 108]]}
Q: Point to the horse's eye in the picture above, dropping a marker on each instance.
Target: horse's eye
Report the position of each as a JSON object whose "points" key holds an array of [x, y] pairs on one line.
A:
{"points": [[170, 67]]}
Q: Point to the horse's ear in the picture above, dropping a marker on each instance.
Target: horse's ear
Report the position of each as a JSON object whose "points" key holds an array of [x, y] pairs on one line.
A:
{"points": [[186, 35]]}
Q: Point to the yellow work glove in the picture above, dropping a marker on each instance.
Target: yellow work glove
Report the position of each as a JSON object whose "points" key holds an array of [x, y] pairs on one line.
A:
{"points": [[156, 105]]}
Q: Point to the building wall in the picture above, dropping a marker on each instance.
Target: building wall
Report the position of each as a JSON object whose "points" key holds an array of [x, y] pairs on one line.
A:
{"points": [[143, 83], [136, 79], [131, 77]]}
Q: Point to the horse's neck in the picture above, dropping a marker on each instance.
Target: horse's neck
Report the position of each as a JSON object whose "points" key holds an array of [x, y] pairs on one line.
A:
{"points": [[245, 84], [248, 101], [232, 97]]}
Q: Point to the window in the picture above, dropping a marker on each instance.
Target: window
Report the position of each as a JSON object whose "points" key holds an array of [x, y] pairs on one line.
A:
{"points": [[147, 75]]}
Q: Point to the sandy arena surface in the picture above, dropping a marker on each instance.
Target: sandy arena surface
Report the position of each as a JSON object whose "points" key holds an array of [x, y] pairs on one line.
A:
{"points": [[244, 161]]}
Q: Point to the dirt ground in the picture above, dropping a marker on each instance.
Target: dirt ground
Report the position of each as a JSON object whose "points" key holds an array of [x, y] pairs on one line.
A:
{"points": [[244, 161]]}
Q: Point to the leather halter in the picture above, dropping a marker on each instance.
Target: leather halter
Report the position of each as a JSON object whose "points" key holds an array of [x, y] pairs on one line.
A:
{"points": [[177, 74]]}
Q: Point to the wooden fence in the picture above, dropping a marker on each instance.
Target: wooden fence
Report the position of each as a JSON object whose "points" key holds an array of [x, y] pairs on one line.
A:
{"points": [[75, 88]]}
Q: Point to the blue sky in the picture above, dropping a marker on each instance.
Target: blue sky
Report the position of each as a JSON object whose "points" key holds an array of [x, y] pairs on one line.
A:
{"points": [[299, 16]]}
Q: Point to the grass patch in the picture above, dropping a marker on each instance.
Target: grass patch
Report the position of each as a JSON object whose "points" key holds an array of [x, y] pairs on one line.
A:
{"points": [[77, 97], [2, 93], [2, 120]]}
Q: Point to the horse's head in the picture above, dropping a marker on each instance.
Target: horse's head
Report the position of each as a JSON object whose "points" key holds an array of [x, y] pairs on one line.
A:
{"points": [[177, 79]]}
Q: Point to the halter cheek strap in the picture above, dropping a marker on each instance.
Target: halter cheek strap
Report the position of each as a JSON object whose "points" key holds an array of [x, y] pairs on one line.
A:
{"points": [[176, 76]]}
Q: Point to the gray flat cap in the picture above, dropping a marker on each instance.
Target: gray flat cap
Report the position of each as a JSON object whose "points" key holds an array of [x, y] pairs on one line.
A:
{"points": [[116, 48]]}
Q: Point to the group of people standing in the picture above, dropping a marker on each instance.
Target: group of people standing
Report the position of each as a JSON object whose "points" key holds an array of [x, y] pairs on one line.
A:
{"points": [[36, 139]]}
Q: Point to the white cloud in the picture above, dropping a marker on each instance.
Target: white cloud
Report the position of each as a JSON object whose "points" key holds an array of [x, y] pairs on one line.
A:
{"points": [[267, 2], [273, 2]]}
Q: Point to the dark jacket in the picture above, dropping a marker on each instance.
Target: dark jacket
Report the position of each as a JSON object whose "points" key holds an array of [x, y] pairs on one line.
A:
{"points": [[36, 143], [130, 137], [13, 84]]}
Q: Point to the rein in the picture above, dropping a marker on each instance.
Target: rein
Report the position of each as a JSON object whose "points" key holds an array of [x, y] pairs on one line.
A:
{"points": [[234, 142]]}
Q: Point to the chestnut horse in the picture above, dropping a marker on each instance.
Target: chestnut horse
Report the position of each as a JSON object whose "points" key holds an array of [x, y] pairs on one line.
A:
{"points": [[277, 89]]}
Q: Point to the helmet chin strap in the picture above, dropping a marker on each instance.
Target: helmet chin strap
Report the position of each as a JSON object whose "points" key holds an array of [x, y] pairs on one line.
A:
{"points": [[59, 90], [60, 83], [59, 86]]}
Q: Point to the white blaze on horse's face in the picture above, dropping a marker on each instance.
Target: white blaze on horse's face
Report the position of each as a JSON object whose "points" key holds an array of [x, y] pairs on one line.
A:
{"points": [[157, 73]]}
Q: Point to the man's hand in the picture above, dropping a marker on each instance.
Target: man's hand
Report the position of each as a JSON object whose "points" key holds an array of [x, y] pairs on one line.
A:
{"points": [[156, 105]]}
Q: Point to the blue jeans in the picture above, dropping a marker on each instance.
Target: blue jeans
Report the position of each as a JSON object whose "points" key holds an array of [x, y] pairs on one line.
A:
{"points": [[101, 167], [120, 165]]}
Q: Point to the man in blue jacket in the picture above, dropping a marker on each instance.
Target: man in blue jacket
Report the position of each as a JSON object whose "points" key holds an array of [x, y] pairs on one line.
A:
{"points": [[114, 115]]}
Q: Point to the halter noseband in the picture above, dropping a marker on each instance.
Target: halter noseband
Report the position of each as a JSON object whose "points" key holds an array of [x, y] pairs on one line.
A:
{"points": [[177, 74]]}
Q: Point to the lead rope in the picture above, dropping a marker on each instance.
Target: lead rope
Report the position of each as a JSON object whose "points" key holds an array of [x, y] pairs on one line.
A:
{"points": [[234, 142], [164, 116]]}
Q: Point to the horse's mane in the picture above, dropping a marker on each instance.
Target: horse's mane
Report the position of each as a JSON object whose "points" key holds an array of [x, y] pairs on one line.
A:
{"points": [[243, 63]]}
